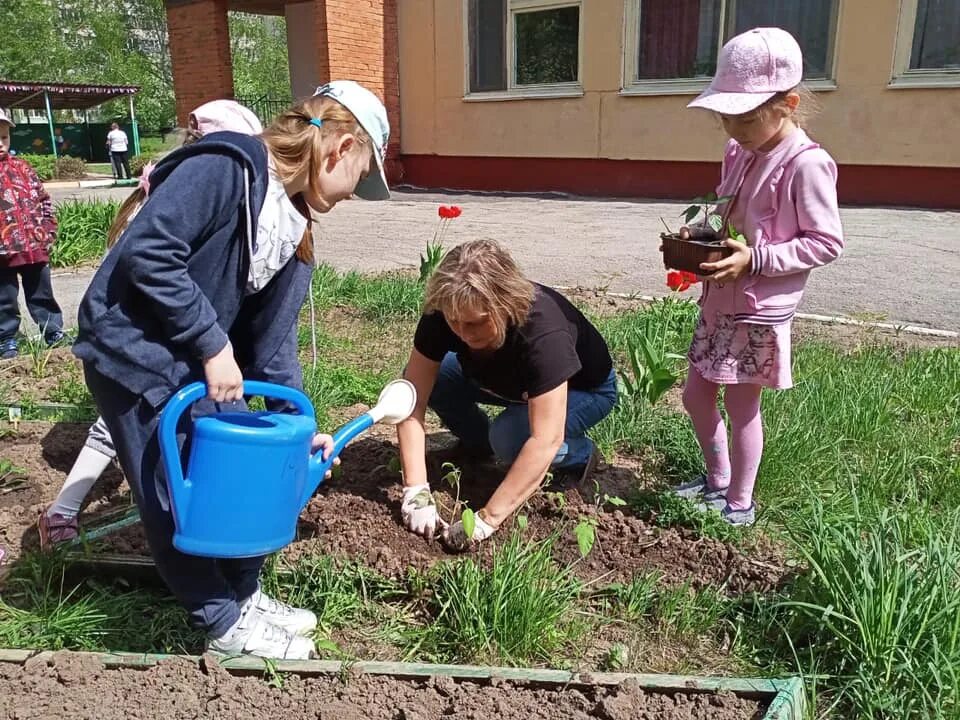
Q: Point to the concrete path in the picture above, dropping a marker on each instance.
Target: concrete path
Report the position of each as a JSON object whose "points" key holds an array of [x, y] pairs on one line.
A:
{"points": [[899, 265]]}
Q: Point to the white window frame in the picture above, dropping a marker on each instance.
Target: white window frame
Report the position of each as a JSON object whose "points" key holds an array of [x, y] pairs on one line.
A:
{"points": [[693, 86], [523, 92], [902, 77]]}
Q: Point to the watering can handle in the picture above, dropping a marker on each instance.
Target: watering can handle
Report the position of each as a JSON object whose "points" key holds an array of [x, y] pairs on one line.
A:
{"points": [[185, 397]]}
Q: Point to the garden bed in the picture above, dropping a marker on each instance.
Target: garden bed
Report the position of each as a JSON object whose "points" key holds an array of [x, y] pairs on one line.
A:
{"points": [[117, 686], [356, 515]]}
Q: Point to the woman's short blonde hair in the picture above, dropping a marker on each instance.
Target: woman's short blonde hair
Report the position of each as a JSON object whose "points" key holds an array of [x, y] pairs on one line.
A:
{"points": [[480, 276]]}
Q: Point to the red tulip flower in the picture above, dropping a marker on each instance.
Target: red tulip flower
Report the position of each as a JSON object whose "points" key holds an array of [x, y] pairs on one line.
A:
{"points": [[449, 212], [680, 280]]}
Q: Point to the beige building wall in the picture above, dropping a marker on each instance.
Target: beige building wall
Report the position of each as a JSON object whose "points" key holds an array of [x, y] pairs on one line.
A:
{"points": [[863, 121]]}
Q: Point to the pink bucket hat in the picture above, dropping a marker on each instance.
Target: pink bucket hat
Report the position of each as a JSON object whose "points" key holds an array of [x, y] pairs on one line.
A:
{"points": [[220, 115], [753, 67]]}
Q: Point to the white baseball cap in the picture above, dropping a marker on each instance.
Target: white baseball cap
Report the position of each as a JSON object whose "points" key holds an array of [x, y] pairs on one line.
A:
{"points": [[372, 116], [4, 118]]}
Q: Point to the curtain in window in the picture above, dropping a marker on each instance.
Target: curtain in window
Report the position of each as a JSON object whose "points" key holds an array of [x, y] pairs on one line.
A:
{"points": [[668, 43], [808, 21], [936, 35]]}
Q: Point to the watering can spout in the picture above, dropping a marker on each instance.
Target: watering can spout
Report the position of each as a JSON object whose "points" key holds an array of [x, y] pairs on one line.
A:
{"points": [[395, 404]]}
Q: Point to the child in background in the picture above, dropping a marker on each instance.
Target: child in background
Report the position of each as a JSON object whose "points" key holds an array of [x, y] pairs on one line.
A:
{"points": [[784, 201], [58, 521], [206, 284], [27, 231]]}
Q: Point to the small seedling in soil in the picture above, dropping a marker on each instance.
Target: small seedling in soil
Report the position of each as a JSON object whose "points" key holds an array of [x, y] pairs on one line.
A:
{"points": [[585, 532], [394, 465], [557, 499], [39, 354], [616, 658], [452, 476], [273, 677]]}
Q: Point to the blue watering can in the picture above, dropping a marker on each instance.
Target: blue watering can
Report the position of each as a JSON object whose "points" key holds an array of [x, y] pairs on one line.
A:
{"points": [[251, 473]]}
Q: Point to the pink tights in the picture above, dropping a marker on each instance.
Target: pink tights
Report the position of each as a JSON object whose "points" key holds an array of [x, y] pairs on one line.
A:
{"points": [[743, 408]]}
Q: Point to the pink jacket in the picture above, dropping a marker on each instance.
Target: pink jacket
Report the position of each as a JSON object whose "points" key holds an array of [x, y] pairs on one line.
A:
{"points": [[787, 209]]}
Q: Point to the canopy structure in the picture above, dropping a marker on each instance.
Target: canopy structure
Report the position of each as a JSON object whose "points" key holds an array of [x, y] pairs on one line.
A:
{"points": [[60, 96]]}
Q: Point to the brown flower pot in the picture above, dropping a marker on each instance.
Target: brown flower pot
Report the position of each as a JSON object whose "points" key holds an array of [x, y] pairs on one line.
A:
{"points": [[704, 246]]}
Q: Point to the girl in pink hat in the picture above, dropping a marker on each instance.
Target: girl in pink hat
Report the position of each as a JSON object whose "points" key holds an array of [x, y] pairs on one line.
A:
{"points": [[783, 194]]}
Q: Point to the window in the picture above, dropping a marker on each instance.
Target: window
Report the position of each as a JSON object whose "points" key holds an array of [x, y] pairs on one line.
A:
{"points": [[523, 47], [928, 43], [673, 45]]}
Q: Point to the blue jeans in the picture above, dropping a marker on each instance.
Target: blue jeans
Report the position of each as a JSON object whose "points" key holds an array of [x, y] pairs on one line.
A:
{"points": [[455, 399]]}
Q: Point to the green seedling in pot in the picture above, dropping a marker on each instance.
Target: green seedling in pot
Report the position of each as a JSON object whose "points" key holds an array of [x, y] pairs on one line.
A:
{"points": [[706, 205]]}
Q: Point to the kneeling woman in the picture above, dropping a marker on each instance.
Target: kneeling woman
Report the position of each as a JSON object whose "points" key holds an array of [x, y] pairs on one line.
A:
{"points": [[489, 335]]}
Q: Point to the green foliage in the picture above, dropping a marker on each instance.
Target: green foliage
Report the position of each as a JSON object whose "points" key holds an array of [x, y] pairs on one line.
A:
{"points": [[11, 477], [44, 165], [90, 41], [82, 227], [378, 297], [517, 611], [429, 262], [258, 48], [706, 206], [41, 609], [878, 613], [547, 46]]}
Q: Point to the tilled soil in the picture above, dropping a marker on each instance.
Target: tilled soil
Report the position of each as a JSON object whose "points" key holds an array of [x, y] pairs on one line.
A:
{"points": [[71, 685], [357, 514], [43, 453]]}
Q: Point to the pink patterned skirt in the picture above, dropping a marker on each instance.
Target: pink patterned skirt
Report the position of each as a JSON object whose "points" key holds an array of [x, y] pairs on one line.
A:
{"points": [[730, 353]]}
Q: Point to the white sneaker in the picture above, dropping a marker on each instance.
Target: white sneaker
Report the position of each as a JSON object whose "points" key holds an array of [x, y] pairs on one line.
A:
{"points": [[254, 635], [295, 621]]}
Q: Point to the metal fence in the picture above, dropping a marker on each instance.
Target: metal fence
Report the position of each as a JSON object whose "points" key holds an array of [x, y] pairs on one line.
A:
{"points": [[265, 108]]}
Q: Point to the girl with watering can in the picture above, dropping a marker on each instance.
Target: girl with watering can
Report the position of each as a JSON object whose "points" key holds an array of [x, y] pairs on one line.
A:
{"points": [[59, 521], [206, 284], [489, 335]]}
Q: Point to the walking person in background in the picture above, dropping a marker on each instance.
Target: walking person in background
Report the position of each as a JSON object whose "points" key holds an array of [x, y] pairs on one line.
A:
{"points": [[783, 190], [27, 232], [117, 145]]}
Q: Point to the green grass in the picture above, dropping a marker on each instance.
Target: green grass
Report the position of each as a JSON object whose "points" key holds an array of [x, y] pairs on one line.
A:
{"points": [[330, 386], [377, 297], [40, 609], [100, 168], [82, 231], [520, 611]]}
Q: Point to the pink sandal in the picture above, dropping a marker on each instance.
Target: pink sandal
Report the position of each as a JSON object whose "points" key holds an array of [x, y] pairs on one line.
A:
{"points": [[56, 529]]}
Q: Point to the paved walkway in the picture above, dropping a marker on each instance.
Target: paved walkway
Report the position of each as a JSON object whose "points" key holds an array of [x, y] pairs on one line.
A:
{"points": [[899, 265]]}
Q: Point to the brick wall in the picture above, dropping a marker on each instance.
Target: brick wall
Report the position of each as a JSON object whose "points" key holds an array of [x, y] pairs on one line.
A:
{"points": [[362, 45], [356, 40], [199, 52]]}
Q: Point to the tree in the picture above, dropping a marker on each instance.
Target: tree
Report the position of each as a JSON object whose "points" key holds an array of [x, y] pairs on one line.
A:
{"points": [[125, 42], [258, 44]]}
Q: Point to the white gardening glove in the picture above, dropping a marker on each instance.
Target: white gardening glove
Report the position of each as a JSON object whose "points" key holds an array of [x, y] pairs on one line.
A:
{"points": [[455, 536], [419, 511]]}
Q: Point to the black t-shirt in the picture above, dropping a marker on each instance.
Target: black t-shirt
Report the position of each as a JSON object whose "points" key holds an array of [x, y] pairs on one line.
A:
{"points": [[555, 344]]}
